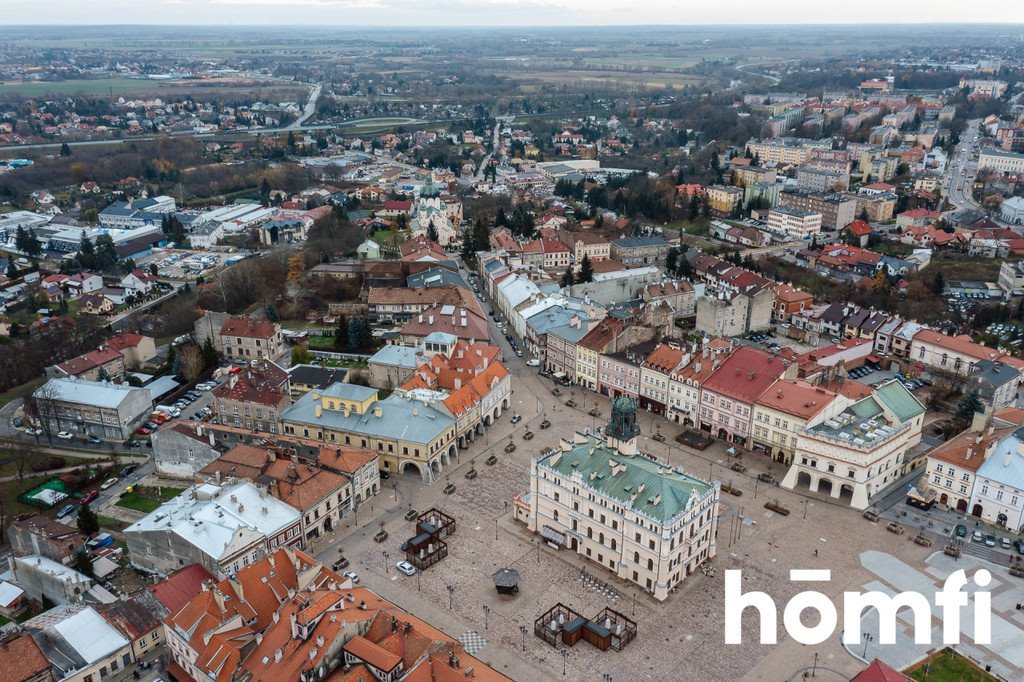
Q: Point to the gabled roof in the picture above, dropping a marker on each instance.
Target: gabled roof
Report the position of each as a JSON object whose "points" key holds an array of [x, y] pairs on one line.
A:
{"points": [[797, 398], [248, 328], [745, 374], [177, 589]]}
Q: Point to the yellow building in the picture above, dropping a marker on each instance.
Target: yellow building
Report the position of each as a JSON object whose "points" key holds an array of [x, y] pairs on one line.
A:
{"points": [[722, 200], [784, 410], [407, 434]]}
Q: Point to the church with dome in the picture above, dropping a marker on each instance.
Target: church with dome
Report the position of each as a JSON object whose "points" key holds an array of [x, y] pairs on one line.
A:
{"points": [[442, 212], [640, 518]]}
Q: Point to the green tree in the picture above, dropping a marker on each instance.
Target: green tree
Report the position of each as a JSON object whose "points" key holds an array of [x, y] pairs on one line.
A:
{"points": [[82, 562], [355, 332], [88, 521], [481, 236], [432, 232], [938, 284], [301, 355], [671, 258], [265, 192], [567, 277], [586, 273], [466, 251], [968, 407], [341, 332], [270, 311], [65, 150], [210, 355]]}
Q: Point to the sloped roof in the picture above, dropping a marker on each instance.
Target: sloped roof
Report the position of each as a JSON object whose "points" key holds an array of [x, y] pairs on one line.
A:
{"points": [[664, 493]]}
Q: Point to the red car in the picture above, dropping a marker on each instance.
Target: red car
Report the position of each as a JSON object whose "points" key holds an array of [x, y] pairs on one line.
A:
{"points": [[90, 496], [143, 430]]}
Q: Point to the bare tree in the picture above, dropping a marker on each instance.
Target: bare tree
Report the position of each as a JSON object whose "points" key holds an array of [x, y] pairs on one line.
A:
{"points": [[191, 361], [45, 407]]}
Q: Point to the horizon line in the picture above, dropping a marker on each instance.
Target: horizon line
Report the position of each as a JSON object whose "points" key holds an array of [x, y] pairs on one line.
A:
{"points": [[550, 25]]}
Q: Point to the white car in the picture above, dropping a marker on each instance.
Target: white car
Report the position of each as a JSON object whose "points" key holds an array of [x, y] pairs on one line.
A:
{"points": [[354, 577], [406, 568], [34, 432], [65, 435], [533, 363], [109, 483]]}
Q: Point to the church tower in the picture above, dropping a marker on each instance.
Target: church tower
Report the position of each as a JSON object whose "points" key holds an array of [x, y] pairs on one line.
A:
{"points": [[622, 431]]}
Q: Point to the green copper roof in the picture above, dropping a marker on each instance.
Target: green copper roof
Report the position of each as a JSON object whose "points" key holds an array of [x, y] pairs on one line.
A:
{"points": [[866, 408], [899, 400], [663, 496]]}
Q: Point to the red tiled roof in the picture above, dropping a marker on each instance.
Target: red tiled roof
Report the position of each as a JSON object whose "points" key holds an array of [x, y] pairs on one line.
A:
{"points": [[745, 374], [859, 228], [180, 587], [797, 398], [248, 328], [22, 659], [126, 340]]}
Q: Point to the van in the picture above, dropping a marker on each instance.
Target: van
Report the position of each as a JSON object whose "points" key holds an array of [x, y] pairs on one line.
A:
{"points": [[168, 410]]}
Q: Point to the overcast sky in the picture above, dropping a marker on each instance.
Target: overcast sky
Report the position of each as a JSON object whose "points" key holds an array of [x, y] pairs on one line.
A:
{"points": [[505, 12]]}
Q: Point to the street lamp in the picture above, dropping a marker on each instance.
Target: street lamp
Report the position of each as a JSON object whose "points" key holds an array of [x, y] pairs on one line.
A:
{"points": [[384, 553], [607, 677], [487, 614], [805, 508], [867, 638], [522, 629], [814, 670], [451, 594], [565, 657]]}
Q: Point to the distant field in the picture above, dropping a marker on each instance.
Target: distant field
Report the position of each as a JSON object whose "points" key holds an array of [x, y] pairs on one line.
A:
{"points": [[76, 87], [651, 79], [281, 91]]}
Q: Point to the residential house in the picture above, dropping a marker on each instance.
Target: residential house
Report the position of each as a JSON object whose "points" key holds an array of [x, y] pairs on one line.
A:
{"points": [[727, 396], [677, 294], [637, 251], [998, 495], [135, 349], [995, 382], [139, 618], [250, 339], [253, 398], [103, 364], [305, 378], [952, 467], [224, 527], [139, 282], [34, 535], [79, 644], [783, 410]]}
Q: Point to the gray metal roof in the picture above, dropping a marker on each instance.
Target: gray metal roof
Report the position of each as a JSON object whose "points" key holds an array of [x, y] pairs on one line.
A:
{"points": [[98, 393], [400, 418], [396, 356]]}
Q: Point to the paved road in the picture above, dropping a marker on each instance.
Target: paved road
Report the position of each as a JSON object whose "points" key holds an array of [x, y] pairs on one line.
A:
{"points": [[961, 169], [494, 145], [308, 110]]}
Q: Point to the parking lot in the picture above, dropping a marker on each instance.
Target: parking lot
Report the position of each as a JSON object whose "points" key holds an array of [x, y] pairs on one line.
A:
{"points": [[182, 264]]}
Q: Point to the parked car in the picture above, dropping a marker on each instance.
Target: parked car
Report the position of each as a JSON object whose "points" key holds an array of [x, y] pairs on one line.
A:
{"points": [[110, 482], [66, 510], [1019, 546], [34, 432], [65, 435], [534, 362], [90, 496], [976, 536], [406, 568], [383, 475], [961, 530], [351, 575], [990, 540], [143, 430], [127, 469], [17, 422], [516, 418], [94, 440], [1004, 543]]}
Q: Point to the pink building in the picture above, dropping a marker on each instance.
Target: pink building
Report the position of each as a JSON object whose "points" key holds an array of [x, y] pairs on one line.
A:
{"points": [[619, 373], [728, 395]]}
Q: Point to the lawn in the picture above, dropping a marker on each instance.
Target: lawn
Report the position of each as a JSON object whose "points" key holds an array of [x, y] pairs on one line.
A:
{"points": [[147, 499], [949, 666], [321, 342], [10, 490], [964, 267]]}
